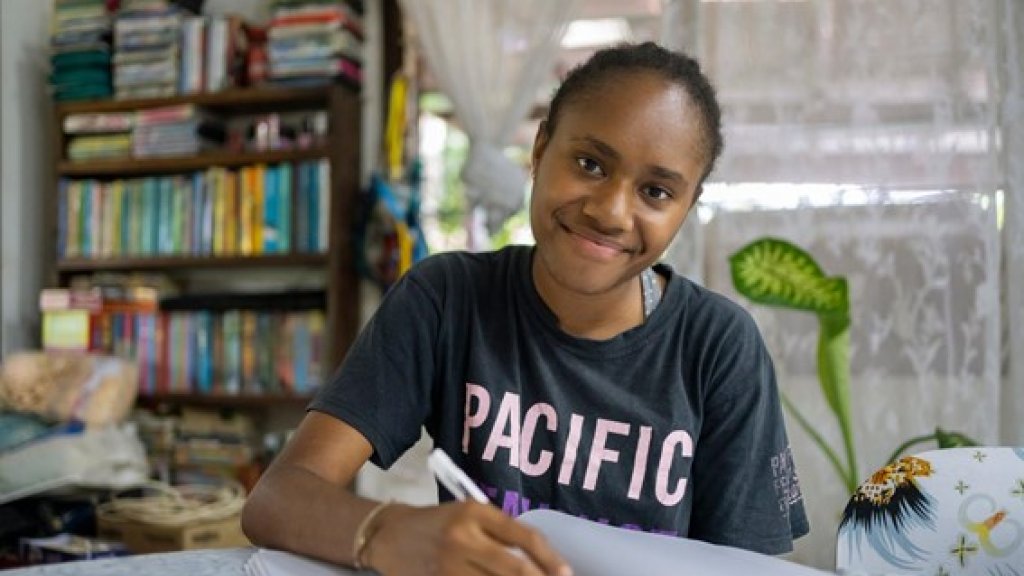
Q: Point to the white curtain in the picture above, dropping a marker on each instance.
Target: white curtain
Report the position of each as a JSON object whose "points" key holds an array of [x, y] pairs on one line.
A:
{"points": [[887, 139], [491, 57]]}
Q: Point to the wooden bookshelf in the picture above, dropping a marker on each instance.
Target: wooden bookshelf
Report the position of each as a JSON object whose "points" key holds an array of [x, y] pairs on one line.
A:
{"points": [[340, 150], [126, 167]]}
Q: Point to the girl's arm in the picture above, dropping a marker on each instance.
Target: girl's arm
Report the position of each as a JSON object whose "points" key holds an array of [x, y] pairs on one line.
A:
{"points": [[303, 504]]}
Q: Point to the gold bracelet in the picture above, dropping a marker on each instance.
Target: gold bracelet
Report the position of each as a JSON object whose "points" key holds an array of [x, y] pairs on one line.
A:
{"points": [[363, 535]]}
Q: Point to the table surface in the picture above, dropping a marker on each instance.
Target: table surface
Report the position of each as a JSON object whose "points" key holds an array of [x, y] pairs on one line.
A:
{"points": [[226, 562]]}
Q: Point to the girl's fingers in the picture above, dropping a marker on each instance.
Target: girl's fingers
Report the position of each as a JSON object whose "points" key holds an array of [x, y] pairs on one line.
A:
{"points": [[527, 543]]}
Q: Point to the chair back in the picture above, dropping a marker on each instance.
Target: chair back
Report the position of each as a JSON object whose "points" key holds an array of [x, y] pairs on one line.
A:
{"points": [[951, 512]]}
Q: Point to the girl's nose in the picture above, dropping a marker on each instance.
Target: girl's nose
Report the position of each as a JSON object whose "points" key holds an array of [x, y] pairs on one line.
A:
{"points": [[609, 206]]}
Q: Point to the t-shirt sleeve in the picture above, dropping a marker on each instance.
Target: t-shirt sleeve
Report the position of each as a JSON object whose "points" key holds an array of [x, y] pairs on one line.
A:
{"points": [[746, 491], [382, 388]]}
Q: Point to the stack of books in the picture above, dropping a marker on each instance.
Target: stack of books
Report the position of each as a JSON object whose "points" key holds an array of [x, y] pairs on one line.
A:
{"points": [[80, 55], [94, 319], [210, 446], [181, 130], [101, 135], [315, 42], [147, 37]]}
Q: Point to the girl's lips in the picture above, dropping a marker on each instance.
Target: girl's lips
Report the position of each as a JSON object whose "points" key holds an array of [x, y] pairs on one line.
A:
{"points": [[594, 246]]}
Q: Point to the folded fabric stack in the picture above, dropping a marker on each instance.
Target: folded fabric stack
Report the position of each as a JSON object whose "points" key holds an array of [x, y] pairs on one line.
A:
{"points": [[80, 57], [147, 38], [315, 42]]}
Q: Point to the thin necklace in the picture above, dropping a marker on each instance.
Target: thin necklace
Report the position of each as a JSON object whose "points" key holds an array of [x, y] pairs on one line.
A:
{"points": [[651, 291]]}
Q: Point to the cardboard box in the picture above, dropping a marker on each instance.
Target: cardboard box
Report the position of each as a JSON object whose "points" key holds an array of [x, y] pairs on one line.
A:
{"points": [[142, 538]]}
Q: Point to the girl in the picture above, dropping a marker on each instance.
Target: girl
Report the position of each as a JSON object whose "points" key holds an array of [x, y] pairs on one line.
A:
{"points": [[578, 374]]}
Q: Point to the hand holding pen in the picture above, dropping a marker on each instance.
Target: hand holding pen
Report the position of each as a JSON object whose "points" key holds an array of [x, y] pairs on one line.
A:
{"points": [[469, 537]]}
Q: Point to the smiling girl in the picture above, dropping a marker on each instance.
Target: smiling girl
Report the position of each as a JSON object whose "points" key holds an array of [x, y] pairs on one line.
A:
{"points": [[578, 374]]}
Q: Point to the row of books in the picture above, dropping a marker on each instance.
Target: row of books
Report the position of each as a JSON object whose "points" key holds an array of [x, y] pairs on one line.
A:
{"points": [[231, 352], [255, 210], [315, 41], [203, 351]]}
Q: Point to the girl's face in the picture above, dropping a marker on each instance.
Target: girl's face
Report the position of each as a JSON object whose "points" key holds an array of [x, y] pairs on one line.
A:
{"points": [[614, 182]]}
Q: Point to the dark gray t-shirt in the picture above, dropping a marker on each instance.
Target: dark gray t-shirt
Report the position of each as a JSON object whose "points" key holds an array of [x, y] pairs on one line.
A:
{"points": [[673, 426]]}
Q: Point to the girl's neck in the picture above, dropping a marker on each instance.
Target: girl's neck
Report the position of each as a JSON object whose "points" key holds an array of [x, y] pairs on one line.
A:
{"points": [[591, 316]]}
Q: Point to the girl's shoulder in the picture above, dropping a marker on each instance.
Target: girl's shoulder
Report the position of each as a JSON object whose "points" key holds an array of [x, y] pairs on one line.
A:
{"points": [[459, 269], [702, 304]]}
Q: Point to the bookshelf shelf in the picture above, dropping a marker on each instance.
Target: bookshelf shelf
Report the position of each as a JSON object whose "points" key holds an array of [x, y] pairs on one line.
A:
{"points": [[142, 166], [225, 400], [237, 99], [178, 262]]}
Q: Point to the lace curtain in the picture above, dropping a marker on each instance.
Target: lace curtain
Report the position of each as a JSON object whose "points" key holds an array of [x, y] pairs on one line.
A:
{"points": [[887, 139], [491, 58]]}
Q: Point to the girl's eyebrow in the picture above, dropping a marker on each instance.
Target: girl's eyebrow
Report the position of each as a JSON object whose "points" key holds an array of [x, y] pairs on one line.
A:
{"points": [[607, 150], [666, 174], [602, 147]]}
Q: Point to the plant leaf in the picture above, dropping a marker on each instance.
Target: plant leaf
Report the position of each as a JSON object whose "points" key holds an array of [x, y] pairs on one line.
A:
{"points": [[948, 439], [773, 271], [834, 377]]}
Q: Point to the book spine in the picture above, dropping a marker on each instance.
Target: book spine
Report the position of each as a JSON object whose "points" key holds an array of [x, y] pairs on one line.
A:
{"points": [[323, 205], [232, 183], [284, 195], [271, 211], [245, 209], [256, 208], [62, 218]]}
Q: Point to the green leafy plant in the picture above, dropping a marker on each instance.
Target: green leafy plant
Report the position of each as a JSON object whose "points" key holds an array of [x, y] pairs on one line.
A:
{"points": [[774, 272]]}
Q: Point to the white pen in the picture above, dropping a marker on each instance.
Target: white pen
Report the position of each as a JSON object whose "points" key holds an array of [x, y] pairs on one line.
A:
{"points": [[453, 478], [458, 483]]}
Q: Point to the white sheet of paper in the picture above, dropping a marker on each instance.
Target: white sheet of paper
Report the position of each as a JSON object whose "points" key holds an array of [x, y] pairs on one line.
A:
{"points": [[594, 549], [265, 562]]}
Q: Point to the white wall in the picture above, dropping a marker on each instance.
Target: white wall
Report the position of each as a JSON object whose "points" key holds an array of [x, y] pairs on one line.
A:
{"points": [[26, 174]]}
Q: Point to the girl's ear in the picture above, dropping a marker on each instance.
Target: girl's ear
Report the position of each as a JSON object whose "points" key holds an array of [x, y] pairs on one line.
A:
{"points": [[540, 142]]}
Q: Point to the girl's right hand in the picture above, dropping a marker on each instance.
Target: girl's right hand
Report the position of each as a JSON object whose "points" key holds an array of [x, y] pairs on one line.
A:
{"points": [[456, 539]]}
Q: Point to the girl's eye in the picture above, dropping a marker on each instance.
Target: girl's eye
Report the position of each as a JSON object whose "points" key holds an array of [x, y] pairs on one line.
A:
{"points": [[657, 193], [589, 166]]}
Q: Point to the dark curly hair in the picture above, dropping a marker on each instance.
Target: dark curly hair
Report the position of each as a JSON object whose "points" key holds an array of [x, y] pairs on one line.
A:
{"points": [[673, 66]]}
